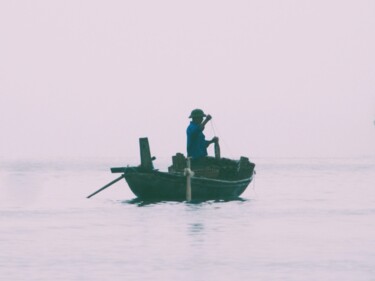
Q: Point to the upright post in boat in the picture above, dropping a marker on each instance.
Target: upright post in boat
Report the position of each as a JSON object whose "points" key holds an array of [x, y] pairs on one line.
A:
{"points": [[188, 173], [217, 150], [146, 159]]}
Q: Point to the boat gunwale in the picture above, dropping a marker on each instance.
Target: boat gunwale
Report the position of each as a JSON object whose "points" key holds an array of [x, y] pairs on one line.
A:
{"points": [[193, 178]]}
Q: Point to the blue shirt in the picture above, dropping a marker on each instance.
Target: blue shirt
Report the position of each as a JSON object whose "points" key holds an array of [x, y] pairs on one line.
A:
{"points": [[196, 141]]}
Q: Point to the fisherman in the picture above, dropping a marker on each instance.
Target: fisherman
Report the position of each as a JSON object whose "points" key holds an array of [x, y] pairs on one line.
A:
{"points": [[196, 140]]}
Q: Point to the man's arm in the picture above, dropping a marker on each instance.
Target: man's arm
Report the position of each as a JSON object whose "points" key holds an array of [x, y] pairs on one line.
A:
{"points": [[203, 124], [214, 140]]}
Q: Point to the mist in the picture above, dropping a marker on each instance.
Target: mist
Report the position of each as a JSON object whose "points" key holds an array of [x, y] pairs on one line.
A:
{"points": [[280, 78]]}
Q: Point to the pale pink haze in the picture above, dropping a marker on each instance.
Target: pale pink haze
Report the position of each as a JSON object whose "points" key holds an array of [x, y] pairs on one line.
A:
{"points": [[280, 78]]}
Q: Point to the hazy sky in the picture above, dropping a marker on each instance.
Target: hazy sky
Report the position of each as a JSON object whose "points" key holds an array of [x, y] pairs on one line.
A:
{"points": [[280, 78]]}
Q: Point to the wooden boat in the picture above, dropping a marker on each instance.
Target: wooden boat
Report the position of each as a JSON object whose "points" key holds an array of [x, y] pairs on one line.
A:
{"points": [[213, 179]]}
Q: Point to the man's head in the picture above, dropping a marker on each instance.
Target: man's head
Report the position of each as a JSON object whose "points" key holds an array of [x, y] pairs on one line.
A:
{"points": [[197, 115]]}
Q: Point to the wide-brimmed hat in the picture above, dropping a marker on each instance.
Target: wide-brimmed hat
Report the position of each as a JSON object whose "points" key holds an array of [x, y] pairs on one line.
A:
{"points": [[197, 113]]}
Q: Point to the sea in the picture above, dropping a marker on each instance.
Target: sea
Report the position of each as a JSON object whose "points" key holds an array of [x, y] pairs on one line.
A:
{"points": [[301, 219]]}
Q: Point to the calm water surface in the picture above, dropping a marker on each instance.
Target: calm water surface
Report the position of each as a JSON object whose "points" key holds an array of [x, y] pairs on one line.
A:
{"points": [[301, 219]]}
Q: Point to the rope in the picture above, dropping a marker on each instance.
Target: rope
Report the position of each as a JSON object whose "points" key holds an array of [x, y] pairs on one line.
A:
{"points": [[213, 128], [253, 182], [221, 139]]}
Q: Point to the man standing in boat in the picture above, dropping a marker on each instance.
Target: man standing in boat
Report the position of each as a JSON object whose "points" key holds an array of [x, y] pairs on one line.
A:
{"points": [[196, 140]]}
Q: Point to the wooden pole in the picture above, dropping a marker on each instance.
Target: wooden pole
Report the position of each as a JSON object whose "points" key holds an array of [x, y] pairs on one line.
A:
{"points": [[146, 159], [189, 173], [107, 185], [217, 150]]}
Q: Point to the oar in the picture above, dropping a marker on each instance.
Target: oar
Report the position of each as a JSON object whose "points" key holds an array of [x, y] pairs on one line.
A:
{"points": [[107, 185]]}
